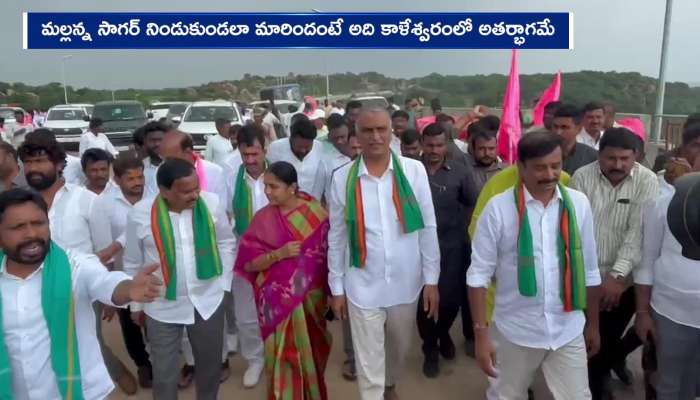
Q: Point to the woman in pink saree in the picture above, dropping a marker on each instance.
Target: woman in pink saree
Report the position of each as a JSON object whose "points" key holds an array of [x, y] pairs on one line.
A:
{"points": [[283, 255]]}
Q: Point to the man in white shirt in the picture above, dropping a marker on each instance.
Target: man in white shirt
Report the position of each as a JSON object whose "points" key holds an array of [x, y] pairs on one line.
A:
{"points": [[178, 144], [96, 165], [46, 294], [95, 138], [339, 151], [150, 136], [618, 187], [108, 226], [593, 124], [304, 152], [336, 150], [219, 146], [382, 255], [73, 171], [69, 210], [194, 244], [247, 180], [535, 323], [19, 130], [667, 288], [261, 118], [318, 118], [69, 205]]}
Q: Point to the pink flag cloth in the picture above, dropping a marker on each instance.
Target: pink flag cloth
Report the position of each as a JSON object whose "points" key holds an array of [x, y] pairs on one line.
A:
{"points": [[636, 126], [549, 95], [201, 173], [314, 105], [510, 129], [421, 123]]}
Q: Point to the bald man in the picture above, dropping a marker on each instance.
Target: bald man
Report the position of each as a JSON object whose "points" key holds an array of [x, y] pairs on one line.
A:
{"points": [[177, 144]]}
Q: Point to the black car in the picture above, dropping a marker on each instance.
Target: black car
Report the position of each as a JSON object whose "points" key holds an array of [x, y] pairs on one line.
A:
{"points": [[121, 118]]}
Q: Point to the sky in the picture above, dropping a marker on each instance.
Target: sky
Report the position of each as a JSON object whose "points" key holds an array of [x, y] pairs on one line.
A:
{"points": [[610, 35]]}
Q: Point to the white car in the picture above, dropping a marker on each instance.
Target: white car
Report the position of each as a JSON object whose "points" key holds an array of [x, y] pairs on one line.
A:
{"points": [[198, 119], [160, 109], [67, 122], [88, 107], [372, 101]]}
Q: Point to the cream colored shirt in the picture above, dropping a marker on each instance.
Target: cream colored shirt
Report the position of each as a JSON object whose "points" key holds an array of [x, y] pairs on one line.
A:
{"points": [[617, 213]]}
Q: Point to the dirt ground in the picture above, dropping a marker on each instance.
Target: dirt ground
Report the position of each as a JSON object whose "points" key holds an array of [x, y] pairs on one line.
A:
{"points": [[459, 379]]}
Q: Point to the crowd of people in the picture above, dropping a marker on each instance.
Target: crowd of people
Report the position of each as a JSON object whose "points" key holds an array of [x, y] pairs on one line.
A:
{"points": [[386, 221]]}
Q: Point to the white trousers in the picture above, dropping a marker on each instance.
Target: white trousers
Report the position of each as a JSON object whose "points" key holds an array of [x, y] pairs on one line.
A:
{"points": [[249, 337], [565, 369], [381, 338]]}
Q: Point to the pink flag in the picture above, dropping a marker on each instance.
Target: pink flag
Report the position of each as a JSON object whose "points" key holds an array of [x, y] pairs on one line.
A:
{"points": [[421, 123], [548, 96], [509, 131]]}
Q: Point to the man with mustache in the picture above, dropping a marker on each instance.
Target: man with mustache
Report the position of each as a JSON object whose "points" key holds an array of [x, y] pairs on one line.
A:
{"points": [[96, 165], [593, 125], [210, 177], [617, 187], [187, 232], [536, 239], [383, 249], [246, 195], [340, 151], [108, 224], [453, 193], [305, 153], [150, 136], [47, 327], [567, 124], [69, 217], [482, 155]]}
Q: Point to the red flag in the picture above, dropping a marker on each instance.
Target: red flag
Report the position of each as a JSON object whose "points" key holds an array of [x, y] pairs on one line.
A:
{"points": [[548, 96], [510, 130]]}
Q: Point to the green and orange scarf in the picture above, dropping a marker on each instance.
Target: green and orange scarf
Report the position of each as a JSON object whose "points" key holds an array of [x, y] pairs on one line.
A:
{"points": [[242, 202], [573, 280], [58, 305], [405, 204], [206, 251]]}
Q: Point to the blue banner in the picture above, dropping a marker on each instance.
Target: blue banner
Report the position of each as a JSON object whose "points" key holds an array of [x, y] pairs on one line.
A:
{"points": [[73, 31]]}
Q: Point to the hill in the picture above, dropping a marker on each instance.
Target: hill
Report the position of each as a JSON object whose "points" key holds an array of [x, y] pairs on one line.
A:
{"points": [[629, 91]]}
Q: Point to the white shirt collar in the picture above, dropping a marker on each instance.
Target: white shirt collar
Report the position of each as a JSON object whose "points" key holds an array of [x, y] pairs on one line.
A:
{"points": [[363, 167], [529, 198], [3, 271]]}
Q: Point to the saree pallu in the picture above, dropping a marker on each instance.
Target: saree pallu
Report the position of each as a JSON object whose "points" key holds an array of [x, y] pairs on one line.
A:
{"points": [[291, 298]]}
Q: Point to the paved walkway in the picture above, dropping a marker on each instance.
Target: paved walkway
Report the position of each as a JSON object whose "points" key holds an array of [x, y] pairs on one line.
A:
{"points": [[460, 379]]}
